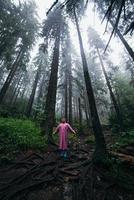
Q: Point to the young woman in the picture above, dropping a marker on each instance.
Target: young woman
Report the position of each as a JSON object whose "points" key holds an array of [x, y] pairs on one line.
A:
{"points": [[63, 129]]}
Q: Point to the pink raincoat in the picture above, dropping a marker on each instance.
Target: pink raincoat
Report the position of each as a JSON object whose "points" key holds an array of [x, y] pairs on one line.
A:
{"points": [[63, 129]]}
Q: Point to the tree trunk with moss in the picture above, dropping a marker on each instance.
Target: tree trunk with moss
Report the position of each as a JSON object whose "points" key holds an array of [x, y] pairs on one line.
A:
{"points": [[100, 148]]}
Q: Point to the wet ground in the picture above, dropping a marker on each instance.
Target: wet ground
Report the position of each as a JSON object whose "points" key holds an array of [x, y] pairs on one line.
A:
{"points": [[46, 176]]}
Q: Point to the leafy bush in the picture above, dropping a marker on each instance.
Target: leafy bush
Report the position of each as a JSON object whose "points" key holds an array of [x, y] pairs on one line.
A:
{"points": [[18, 134], [123, 140]]}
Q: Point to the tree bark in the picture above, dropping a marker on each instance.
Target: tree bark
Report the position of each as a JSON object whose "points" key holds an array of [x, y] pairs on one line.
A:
{"points": [[49, 113], [80, 116], [31, 99], [116, 107], [66, 94], [127, 46], [77, 109], [40, 93], [86, 113], [70, 92], [16, 97], [10, 77], [16, 89], [100, 149]]}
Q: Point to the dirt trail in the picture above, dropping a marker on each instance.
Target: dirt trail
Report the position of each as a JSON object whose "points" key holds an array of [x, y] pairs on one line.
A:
{"points": [[36, 176], [47, 176]]}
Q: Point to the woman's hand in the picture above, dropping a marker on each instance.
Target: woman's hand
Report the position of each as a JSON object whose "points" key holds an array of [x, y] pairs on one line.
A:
{"points": [[75, 131]]}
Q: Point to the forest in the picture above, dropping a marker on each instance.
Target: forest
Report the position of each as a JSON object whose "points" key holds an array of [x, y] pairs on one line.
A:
{"points": [[66, 63]]}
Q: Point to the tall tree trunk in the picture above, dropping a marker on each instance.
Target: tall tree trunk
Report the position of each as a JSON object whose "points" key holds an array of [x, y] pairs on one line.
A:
{"points": [[10, 77], [125, 43], [87, 118], [80, 116], [77, 109], [70, 91], [100, 149], [116, 107], [62, 106], [1, 74], [66, 94], [40, 93], [17, 94], [86, 113], [31, 99], [52, 89], [16, 89], [23, 92], [127, 46]]}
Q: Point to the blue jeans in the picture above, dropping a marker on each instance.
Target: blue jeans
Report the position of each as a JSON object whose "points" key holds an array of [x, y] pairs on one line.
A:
{"points": [[63, 153]]}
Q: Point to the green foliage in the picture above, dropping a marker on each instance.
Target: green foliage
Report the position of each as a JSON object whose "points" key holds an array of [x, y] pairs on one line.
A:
{"points": [[80, 129], [18, 26], [114, 170], [56, 138], [73, 137], [126, 101], [90, 140], [123, 140], [18, 134], [16, 110]]}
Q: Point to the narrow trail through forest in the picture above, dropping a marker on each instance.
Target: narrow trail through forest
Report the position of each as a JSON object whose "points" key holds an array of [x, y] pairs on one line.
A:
{"points": [[46, 176], [33, 170]]}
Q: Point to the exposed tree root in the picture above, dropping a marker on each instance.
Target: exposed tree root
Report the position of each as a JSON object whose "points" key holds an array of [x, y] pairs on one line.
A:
{"points": [[124, 157], [88, 181]]}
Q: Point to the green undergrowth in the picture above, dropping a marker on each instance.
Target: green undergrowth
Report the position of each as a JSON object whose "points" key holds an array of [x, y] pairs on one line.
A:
{"points": [[123, 140], [73, 137], [117, 172], [90, 139], [120, 174], [18, 134]]}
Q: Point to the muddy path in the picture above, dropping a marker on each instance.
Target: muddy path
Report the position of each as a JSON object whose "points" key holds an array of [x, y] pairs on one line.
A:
{"points": [[46, 176], [42, 175]]}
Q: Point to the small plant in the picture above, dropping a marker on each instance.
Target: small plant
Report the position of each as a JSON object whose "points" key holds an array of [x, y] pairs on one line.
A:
{"points": [[73, 137], [90, 140]]}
